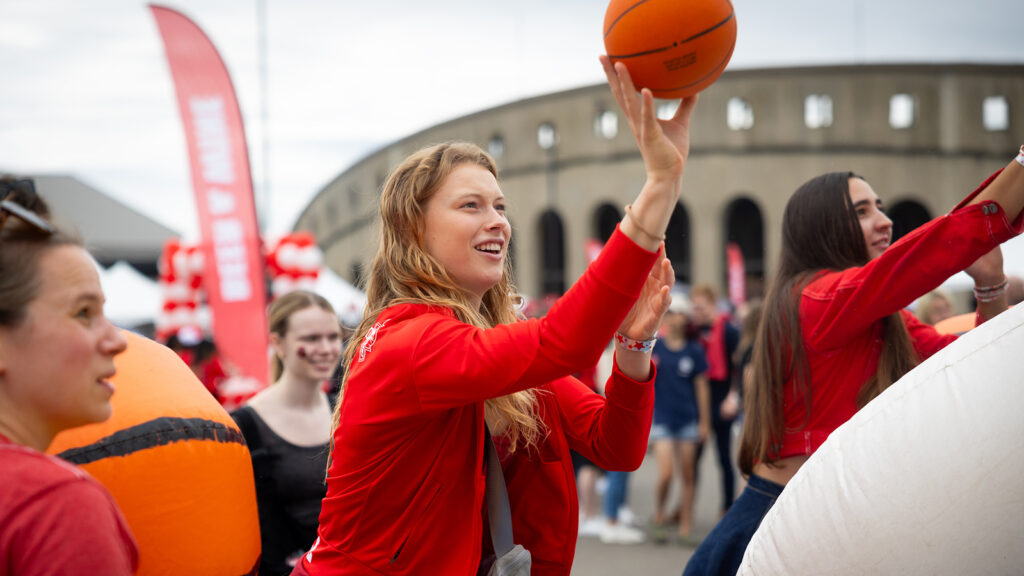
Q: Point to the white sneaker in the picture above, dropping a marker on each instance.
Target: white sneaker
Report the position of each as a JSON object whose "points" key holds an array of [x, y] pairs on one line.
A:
{"points": [[620, 533], [592, 527], [626, 515]]}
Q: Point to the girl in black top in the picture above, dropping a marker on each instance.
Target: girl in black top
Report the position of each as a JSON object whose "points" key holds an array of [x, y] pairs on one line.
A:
{"points": [[287, 427]]}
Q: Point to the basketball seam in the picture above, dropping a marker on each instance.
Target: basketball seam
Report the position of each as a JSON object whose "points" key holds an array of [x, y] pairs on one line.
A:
{"points": [[621, 16], [675, 44]]}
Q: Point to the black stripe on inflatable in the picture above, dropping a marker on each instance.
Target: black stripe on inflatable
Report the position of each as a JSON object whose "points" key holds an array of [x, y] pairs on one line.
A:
{"points": [[620, 16], [156, 432], [674, 44]]}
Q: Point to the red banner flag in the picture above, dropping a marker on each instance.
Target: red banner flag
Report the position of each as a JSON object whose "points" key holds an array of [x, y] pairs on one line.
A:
{"points": [[737, 274], [234, 279]]}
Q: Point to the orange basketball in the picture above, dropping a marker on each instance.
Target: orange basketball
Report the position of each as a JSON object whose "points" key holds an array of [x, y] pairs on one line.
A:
{"points": [[177, 465], [675, 48]]}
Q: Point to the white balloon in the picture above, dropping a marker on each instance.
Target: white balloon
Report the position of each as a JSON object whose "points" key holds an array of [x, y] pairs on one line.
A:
{"points": [[287, 256], [179, 292], [927, 479], [310, 259], [196, 262], [180, 264], [282, 285], [181, 316]]}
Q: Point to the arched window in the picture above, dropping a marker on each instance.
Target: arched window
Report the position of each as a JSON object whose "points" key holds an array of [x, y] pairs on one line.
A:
{"points": [[677, 244], [552, 245], [606, 124], [907, 215], [547, 137], [496, 146], [606, 218], [745, 226]]}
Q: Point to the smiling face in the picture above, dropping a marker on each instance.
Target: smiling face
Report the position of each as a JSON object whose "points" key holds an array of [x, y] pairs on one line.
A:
{"points": [[465, 229], [876, 226], [55, 366], [311, 346]]}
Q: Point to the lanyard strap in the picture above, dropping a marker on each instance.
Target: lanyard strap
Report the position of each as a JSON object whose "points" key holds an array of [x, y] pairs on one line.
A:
{"points": [[499, 513]]}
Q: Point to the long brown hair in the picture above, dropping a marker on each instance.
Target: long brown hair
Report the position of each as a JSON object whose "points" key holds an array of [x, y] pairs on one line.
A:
{"points": [[21, 247], [820, 231], [403, 272]]}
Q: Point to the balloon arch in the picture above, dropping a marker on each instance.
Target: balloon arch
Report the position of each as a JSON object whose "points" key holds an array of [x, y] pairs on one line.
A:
{"points": [[293, 262]]}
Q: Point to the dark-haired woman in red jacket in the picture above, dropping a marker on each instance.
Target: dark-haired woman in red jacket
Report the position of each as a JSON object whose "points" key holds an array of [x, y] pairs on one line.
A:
{"points": [[834, 333]]}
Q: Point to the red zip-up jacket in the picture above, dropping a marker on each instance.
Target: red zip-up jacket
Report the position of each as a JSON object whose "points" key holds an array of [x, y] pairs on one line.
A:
{"points": [[841, 313], [610, 431], [405, 489]]}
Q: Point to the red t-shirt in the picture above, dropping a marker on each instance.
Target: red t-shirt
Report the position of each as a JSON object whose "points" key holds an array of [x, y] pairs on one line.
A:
{"points": [[56, 520], [841, 314], [405, 491]]}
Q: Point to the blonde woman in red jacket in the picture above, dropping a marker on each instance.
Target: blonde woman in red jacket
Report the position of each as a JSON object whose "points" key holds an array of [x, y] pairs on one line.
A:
{"points": [[440, 353], [834, 332]]}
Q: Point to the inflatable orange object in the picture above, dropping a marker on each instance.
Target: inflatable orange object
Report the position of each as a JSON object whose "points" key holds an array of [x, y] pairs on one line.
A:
{"points": [[956, 324], [675, 48], [177, 466]]}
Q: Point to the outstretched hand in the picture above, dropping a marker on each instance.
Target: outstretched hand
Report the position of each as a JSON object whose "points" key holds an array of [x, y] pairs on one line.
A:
{"points": [[643, 319], [988, 269], [664, 144]]}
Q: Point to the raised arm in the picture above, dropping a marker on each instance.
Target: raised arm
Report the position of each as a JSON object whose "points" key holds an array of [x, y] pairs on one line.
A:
{"points": [[1007, 189], [664, 146]]}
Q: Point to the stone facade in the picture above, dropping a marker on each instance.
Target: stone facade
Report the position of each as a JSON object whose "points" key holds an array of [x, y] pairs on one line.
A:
{"points": [[922, 135]]}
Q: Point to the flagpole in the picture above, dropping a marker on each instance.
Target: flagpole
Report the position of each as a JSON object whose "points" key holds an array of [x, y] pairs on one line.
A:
{"points": [[263, 201]]}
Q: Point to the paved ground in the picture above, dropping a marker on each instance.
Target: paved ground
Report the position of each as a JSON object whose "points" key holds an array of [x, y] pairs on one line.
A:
{"points": [[594, 558]]}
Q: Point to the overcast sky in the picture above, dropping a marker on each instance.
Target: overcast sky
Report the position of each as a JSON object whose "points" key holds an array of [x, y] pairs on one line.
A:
{"points": [[85, 88]]}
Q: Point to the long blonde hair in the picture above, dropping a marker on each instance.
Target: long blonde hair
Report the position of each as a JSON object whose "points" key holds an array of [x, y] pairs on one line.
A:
{"points": [[403, 272]]}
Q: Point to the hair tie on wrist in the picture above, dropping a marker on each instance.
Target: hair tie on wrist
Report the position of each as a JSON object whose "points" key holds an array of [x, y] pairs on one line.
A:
{"points": [[626, 343], [629, 212], [991, 293]]}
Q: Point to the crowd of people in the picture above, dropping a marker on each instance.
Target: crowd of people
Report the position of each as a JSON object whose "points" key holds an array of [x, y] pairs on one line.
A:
{"points": [[390, 474]]}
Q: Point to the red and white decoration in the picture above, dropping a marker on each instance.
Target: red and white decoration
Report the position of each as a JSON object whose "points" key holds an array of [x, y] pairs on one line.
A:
{"points": [[294, 264], [181, 277]]}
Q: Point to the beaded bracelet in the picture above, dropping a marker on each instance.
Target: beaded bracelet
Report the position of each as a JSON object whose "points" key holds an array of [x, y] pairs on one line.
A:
{"points": [[991, 293], [626, 343], [1020, 156]]}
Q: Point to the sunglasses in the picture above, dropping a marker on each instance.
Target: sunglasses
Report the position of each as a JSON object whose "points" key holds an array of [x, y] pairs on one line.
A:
{"points": [[8, 208]]}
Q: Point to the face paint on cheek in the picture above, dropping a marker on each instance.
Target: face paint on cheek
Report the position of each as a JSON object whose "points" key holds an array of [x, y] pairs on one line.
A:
{"points": [[302, 352]]}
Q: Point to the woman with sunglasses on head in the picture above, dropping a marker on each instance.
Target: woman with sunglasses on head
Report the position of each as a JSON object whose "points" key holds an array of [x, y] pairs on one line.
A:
{"points": [[834, 332], [440, 355], [57, 354], [287, 427]]}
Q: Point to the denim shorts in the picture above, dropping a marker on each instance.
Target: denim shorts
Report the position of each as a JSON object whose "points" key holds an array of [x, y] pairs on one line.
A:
{"points": [[689, 432]]}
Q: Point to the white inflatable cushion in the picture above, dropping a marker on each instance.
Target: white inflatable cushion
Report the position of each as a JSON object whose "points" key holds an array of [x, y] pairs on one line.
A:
{"points": [[927, 479]]}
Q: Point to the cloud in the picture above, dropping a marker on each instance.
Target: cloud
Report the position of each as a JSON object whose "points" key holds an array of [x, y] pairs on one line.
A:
{"points": [[93, 95]]}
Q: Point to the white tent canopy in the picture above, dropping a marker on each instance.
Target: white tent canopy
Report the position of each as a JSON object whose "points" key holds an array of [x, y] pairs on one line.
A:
{"points": [[347, 300], [132, 298]]}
